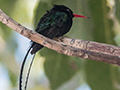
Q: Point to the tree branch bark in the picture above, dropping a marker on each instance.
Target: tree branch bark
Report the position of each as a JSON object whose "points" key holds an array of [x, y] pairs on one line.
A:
{"points": [[68, 46]]}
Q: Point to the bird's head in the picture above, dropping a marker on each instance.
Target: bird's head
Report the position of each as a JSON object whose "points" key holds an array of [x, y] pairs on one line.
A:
{"points": [[67, 10]]}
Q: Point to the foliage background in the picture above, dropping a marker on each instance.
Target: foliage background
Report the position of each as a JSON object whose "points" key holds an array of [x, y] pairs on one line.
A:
{"points": [[53, 71]]}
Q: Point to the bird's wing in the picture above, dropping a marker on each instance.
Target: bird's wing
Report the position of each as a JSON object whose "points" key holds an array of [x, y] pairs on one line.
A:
{"points": [[51, 23]]}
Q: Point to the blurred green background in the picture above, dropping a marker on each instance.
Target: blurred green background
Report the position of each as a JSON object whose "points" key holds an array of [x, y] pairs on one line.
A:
{"points": [[53, 71]]}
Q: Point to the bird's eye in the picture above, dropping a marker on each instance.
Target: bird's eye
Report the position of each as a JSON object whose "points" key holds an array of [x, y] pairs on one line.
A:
{"points": [[68, 10]]}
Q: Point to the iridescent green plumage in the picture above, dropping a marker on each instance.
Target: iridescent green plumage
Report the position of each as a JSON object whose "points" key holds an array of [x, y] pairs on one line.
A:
{"points": [[53, 19]]}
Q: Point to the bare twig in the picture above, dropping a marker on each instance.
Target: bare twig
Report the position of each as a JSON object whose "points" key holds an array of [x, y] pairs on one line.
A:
{"points": [[72, 47]]}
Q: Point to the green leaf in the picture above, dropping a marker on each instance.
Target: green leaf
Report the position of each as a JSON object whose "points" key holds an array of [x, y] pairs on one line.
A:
{"points": [[98, 74], [58, 67], [117, 12], [13, 78]]}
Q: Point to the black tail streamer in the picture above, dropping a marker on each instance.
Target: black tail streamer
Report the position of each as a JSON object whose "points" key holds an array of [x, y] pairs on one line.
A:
{"points": [[29, 72], [22, 67]]}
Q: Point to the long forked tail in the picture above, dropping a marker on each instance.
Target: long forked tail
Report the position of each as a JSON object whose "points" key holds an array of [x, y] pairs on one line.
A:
{"points": [[21, 71]]}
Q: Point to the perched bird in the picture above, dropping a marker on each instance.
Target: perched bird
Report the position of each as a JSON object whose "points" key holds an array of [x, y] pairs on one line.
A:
{"points": [[54, 23]]}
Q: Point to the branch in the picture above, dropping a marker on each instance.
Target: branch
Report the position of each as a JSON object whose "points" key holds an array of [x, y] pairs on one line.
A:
{"points": [[71, 47]]}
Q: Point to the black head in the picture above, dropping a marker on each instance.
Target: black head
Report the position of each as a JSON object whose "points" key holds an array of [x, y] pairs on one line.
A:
{"points": [[63, 8], [67, 10]]}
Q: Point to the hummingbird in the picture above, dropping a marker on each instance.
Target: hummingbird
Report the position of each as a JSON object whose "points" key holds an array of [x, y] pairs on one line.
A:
{"points": [[55, 23]]}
